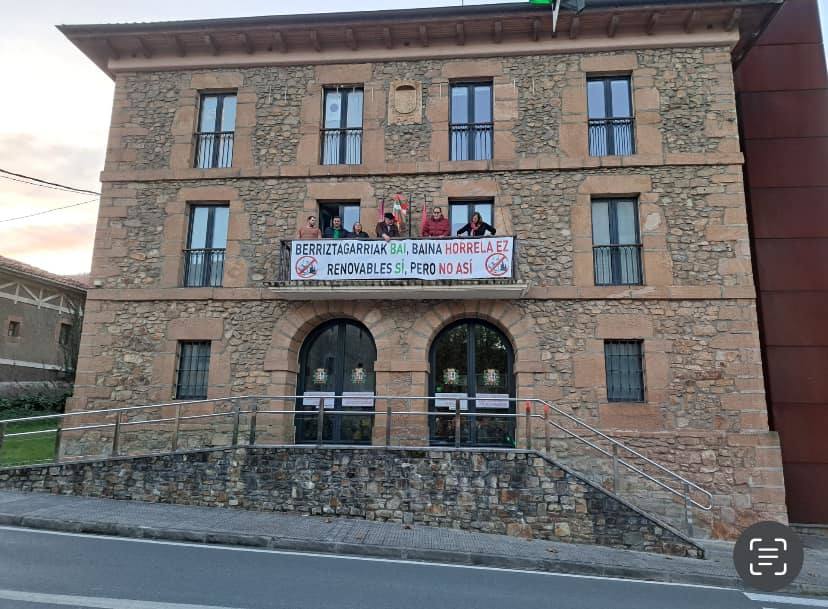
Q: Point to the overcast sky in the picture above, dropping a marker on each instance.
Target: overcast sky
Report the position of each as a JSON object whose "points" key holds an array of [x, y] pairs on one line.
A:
{"points": [[56, 108]]}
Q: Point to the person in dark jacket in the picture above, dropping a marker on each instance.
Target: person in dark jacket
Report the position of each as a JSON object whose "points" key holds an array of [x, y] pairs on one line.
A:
{"points": [[387, 229], [335, 230], [477, 228], [358, 233]]}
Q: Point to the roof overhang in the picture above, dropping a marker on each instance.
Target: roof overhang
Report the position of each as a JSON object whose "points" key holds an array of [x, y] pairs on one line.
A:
{"points": [[482, 30]]}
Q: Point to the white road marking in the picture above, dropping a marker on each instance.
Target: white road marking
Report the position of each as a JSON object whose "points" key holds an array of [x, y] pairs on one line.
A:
{"points": [[787, 600], [96, 602], [413, 562]]}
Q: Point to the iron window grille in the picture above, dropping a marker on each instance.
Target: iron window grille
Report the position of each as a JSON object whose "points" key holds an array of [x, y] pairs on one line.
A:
{"points": [[472, 126], [625, 370], [206, 243], [611, 123], [616, 239], [193, 370], [216, 130], [342, 127]]}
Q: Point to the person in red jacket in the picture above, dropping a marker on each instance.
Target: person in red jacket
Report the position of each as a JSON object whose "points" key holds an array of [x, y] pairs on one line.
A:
{"points": [[437, 225]]}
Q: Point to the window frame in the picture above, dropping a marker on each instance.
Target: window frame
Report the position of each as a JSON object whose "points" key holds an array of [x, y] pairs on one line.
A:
{"points": [[218, 142], [471, 203], [469, 86], [14, 328], [64, 334], [340, 205], [609, 113], [179, 371], [640, 372], [209, 251], [612, 229], [342, 152]]}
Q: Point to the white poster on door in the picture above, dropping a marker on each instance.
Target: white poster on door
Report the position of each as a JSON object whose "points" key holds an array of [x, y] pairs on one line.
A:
{"points": [[311, 399], [448, 400], [357, 399], [492, 404]]}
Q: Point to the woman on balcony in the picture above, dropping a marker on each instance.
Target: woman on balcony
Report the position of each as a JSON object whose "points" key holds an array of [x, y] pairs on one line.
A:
{"points": [[477, 228], [358, 233]]}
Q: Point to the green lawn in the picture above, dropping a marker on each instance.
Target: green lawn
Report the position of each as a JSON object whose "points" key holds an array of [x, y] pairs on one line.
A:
{"points": [[28, 449]]}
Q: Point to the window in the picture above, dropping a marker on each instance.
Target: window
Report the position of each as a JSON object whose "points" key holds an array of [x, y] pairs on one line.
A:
{"points": [[65, 335], [616, 244], [625, 370], [610, 116], [460, 213], [342, 127], [206, 244], [193, 369], [470, 132], [14, 329], [349, 212], [216, 124]]}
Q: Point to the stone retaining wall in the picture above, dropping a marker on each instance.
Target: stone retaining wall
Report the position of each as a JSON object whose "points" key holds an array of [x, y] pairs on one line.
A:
{"points": [[513, 493]]}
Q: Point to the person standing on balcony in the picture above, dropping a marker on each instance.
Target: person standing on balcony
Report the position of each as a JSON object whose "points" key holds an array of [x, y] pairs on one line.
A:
{"points": [[477, 228], [335, 230], [387, 229], [310, 230], [358, 233], [437, 225]]}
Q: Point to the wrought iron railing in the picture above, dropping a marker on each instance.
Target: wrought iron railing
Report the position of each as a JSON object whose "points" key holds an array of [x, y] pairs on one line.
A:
{"points": [[342, 146], [611, 136], [617, 264], [270, 421], [203, 268], [214, 149], [471, 141]]}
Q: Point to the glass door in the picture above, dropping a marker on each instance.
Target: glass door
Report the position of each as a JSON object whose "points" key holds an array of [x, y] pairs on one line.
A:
{"points": [[337, 371]]}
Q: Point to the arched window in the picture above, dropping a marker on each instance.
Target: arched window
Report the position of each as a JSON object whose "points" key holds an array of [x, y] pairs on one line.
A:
{"points": [[336, 367], [470, 360]]}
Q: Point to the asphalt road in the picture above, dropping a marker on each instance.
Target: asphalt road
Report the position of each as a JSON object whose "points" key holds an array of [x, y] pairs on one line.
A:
{"points": [[42, 570]]}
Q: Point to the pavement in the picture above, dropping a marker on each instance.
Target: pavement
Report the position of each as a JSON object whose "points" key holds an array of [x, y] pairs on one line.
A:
{"points": [[344, 536]]}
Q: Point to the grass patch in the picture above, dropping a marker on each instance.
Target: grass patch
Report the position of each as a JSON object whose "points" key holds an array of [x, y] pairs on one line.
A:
{"points": [[26, 450]]}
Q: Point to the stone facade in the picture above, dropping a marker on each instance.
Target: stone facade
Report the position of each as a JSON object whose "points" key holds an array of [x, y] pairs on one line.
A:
{"points": [[703, 412], [519, 494]]}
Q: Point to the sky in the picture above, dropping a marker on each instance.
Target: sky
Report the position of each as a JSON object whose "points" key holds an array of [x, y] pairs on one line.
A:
{"points": [[55, 117]]}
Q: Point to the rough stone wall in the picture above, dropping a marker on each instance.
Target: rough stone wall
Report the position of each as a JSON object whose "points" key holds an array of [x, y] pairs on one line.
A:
{"points": [[493, 492], [693, 202]]}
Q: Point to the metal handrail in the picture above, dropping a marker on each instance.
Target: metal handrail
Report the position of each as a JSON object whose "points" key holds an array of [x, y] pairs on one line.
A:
{"points": [[688, 487]]}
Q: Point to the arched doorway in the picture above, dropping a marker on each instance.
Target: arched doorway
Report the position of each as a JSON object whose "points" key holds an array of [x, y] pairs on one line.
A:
{"points": [[472, 359], [337, 359]]}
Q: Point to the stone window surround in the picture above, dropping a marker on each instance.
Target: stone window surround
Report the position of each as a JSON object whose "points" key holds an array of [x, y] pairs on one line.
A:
{"points": [[574, 132], [13, 339], [185, 123], [656, 263], [176, 225]]}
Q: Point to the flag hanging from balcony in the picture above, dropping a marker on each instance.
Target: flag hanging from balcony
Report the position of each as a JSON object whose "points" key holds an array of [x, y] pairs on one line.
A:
{"points": [[556, 8], [399, 207]]}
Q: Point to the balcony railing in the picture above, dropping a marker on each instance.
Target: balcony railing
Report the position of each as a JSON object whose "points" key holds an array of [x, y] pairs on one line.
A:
{"points": [[611, 136], [617, 264], [471, 142], [341, 146], [203, 268], [214, 149]]}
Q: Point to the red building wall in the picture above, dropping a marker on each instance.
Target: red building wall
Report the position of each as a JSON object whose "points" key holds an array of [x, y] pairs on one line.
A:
{"points": [[782, 92]]}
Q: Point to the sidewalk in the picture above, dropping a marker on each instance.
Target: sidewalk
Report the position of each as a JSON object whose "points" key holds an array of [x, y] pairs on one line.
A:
{"points": [[385, 540]]}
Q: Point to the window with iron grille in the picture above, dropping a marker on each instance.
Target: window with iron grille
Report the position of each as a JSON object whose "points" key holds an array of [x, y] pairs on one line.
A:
{"points": [[65, 334], [193, 370], [206, 246], [216, 127], [625, 370], [342, 127], [470, 131], [616, 242], [13, 329], [611, 124]]}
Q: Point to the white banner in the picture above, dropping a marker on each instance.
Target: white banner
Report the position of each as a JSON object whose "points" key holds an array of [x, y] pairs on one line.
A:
{"points": [[429, 259]]}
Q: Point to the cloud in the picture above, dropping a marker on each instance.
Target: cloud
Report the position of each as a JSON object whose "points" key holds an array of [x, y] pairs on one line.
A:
{"points": [[61, 249]]}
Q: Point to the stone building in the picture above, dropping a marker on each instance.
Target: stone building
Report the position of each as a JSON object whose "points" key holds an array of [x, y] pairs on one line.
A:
{"points": [[41, 315], [606, 155]]}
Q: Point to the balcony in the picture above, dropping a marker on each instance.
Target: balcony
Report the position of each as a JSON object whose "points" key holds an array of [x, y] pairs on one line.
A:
{"points": [[203, 268], [333, 269], [471, 142], [617, 264], [611, 137], [341, 146], [214, 149]]}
